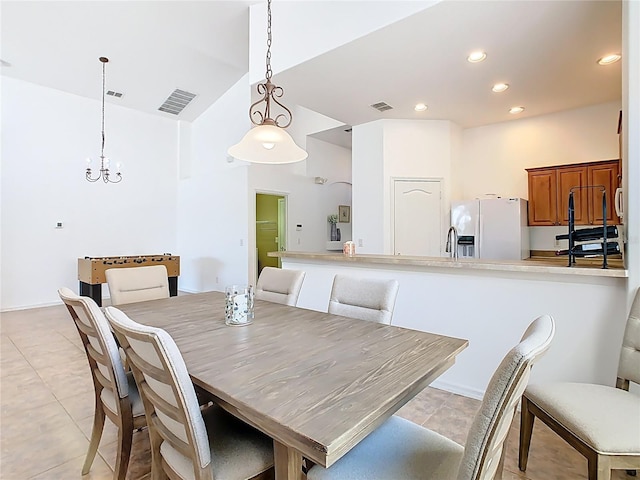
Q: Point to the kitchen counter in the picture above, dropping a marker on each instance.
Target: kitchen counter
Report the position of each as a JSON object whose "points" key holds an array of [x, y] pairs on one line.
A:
{"points": [[490, 303], [556, 266]]}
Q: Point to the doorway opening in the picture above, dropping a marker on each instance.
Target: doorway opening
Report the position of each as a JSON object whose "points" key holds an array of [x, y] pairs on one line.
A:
{"points": [[271, 229]]}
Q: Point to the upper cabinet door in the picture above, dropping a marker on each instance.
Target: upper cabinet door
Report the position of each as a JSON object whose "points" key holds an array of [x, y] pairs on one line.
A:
{"points": [[549, 189], [542, 197], [605, 174], [568, 178]]}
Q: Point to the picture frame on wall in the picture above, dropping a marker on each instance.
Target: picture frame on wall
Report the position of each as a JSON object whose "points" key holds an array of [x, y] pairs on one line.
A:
{"points": [[344, 213]]}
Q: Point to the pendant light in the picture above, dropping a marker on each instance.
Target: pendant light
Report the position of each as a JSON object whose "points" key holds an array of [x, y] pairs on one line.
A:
{"points": [[104, 162], [268, 142]]}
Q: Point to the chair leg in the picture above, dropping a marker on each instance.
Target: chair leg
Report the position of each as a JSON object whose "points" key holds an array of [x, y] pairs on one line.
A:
{"points": [[96, 434], [157, 469], [526, 429], [603, 468], [125, 440]]}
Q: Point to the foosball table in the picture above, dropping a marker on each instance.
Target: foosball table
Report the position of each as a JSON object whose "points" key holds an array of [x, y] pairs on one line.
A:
{"points": [[91, 271]]}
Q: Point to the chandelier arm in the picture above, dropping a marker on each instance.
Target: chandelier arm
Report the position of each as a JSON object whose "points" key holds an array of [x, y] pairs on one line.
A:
{"points": [[282, 114], [257, 111], [89, 178]]}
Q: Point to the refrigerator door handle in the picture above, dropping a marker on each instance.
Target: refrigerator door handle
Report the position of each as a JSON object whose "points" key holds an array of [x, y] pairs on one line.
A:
{"points": [[479, 230]]}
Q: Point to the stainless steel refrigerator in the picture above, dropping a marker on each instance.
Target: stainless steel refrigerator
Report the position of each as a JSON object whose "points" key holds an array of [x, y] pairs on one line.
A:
{"points": [[491, 229]]}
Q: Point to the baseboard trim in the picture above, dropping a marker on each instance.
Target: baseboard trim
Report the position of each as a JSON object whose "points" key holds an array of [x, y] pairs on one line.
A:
{"points": [[458, 389]]}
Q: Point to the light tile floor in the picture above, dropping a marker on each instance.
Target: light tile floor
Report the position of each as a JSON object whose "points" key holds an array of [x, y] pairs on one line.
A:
{"points": [[46, 398]]}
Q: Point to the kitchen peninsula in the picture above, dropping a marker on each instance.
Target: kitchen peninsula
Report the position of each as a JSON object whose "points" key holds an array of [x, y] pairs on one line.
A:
{"points": [[490, 303]]}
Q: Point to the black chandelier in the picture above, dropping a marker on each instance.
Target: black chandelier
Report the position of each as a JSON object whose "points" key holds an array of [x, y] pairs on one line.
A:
{"points": [[104, 161]]}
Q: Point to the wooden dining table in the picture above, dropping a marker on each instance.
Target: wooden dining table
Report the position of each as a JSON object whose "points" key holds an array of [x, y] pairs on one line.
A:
{"points": [[315, 383]]}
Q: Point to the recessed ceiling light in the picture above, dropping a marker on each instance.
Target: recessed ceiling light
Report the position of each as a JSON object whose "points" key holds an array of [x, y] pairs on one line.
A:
{"points": [[420, 107], [476, 57], [500, 87], [609, 59], [516, 110]]}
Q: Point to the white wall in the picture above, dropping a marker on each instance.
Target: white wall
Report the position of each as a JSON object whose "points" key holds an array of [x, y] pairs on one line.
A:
{"points": [[494, 157], [332, 162], [367, 169], [46, 137], [631, 146], [213, 234], [388, 149]]}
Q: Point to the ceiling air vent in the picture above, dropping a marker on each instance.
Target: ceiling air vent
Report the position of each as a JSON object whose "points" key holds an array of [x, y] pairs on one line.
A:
{"points": [[114, 94], [176, 102], [382, 107]]}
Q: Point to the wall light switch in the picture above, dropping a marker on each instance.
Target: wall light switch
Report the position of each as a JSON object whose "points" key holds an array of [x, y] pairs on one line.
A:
{"points": [[360, 242], [298, 227], [59, 225]]}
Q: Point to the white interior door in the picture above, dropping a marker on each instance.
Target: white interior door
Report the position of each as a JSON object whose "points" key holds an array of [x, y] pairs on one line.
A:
{"points": [[417, 218], [282, 227]]}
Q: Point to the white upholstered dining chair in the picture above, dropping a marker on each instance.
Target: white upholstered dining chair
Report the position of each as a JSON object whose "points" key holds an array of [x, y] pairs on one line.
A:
{"points": [[601, 422], [139, 284], [279, 285], [400, 449], [186, 443], [363, 298], [116, 394]]}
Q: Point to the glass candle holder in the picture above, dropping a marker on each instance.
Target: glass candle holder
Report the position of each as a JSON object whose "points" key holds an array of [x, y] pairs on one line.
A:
{"points": [[238, 308]]}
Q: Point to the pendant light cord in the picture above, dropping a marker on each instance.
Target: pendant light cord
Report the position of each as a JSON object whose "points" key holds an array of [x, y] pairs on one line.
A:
{"points": [[269, 72], [103, 89]]}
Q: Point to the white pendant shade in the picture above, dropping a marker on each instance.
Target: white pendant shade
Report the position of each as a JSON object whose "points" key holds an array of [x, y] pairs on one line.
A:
{"points": [[267, 144]]}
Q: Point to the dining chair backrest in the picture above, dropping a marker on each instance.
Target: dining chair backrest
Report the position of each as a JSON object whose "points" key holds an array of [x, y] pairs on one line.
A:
{"points": [[137, 284], [629, 365], [363, 298], [279, 285], [170, 402], [99, 344], [116, 395], [483, 452]]}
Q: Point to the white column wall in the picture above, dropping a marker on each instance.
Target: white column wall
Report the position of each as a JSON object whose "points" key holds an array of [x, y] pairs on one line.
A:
{"points": [[46, 137], [368, 181], [631, 145], [417, 149], [213, 234], [388, 149]]}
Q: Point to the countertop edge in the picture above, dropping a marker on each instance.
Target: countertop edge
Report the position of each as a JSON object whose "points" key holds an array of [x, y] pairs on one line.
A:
{"points": [[444, 262]]}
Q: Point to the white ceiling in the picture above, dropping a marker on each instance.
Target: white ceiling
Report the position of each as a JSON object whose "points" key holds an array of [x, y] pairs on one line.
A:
{"points": [[153, 48], [546, 51]]}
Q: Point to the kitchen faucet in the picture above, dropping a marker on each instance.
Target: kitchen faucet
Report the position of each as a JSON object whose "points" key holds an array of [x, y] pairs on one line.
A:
{"points": [[452, 249]]}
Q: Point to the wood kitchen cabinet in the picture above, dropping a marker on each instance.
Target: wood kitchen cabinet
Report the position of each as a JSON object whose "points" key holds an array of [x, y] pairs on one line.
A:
{"points": [[543, 208], [549, 189]]}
